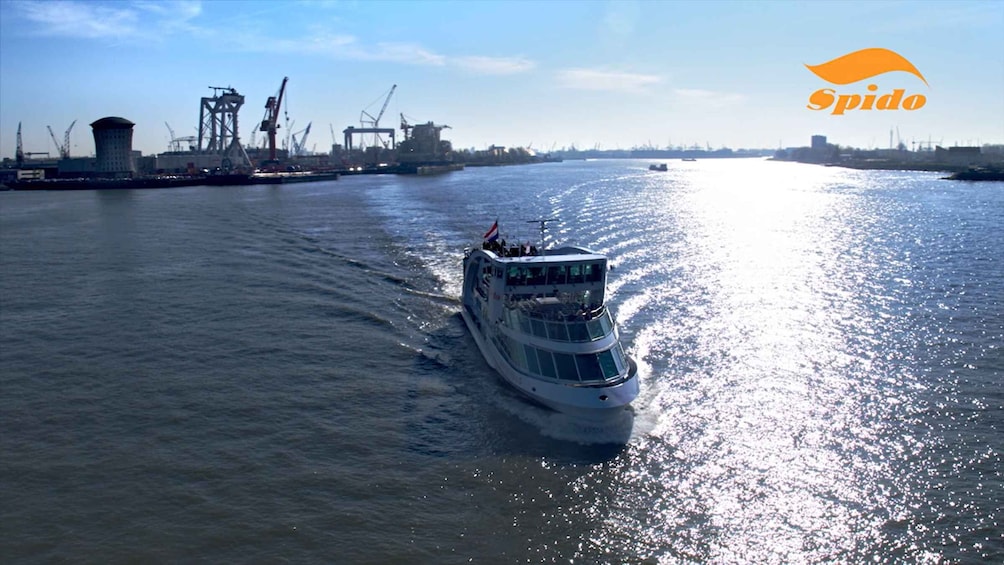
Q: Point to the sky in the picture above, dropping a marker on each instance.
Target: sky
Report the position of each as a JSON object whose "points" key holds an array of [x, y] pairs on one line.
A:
{"points": [[546, 74]]}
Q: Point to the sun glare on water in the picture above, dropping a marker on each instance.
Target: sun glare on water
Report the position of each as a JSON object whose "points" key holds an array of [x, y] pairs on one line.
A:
{"points": [[764, 381]]}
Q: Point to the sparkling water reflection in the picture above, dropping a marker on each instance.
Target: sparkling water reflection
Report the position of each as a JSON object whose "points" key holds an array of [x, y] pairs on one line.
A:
{"points": [[821, 354]]}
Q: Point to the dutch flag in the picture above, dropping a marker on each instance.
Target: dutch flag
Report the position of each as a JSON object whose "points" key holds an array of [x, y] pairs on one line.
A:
{"points": [[493, 232]]}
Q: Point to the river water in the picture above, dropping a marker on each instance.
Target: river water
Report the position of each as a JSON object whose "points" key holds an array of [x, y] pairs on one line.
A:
{"points": [[280, 373]]}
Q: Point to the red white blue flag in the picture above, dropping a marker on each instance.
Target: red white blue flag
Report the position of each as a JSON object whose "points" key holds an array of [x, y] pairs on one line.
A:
{"points": [[493, 232]]}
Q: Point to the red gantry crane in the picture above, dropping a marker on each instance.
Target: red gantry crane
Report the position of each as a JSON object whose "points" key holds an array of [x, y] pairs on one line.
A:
{"points": [[270, 123]]}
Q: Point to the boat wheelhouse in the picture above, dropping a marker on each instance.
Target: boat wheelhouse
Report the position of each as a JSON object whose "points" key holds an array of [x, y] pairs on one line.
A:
{"points": [[540, 320]]}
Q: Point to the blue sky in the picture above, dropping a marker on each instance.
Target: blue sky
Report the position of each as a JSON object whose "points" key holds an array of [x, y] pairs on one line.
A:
{"points": [[612, 74]]}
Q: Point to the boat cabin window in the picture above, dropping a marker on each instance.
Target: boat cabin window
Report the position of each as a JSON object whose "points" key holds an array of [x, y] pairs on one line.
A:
{"points": [[519, 275], [557, 331], [536, 276], [578, 332], [608, 365], [546, 364], [589, 367], [531, 359], [556, 274], [566, 366], [575, 274], [585, 367], [538, 328]]}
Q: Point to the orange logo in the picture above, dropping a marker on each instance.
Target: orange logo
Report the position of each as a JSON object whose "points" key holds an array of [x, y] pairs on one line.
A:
{"points": [[857, 66]]}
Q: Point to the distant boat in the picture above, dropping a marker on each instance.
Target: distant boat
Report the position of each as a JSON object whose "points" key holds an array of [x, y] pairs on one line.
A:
{"points": [[990, 173], [688, 159], [659, 167]]}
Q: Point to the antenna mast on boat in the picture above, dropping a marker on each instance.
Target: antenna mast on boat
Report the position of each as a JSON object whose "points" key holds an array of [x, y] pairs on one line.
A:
{"points": [[543, 228]]}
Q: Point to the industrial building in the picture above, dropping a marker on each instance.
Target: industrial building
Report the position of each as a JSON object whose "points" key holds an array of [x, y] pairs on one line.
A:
{"points": [[113, 147]]}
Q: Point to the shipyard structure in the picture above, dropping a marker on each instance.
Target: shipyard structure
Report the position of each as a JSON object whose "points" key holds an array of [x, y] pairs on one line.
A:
{"points": [[219, 151]]}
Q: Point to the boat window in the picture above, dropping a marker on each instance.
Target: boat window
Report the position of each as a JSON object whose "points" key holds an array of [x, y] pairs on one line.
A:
{"points": [[517, 355], [620, 358], [596, 328], [594, 272], [524, 324], [538, 328], [575, 274], [531, 359], [577, 331], [589, 367], [536, 276], [546, 364], [517, 275], [606, 323], [608, 365], [556, 274], [566, 367], [556, 331]]}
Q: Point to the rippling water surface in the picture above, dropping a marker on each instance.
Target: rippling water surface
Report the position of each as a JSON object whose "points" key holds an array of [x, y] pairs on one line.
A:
{"points": [[281, 373]]}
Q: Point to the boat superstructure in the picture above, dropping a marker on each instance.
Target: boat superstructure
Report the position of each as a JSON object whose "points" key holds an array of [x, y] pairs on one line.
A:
{"points": [[540, 320]]}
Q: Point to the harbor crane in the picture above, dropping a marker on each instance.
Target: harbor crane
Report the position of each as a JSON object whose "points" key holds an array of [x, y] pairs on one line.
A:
{"points": [[19, 155], [405, 126], [270, 123], [54, 140], [374, 123], [176, 142], [170, 145], [64, 149], [299, 144]]}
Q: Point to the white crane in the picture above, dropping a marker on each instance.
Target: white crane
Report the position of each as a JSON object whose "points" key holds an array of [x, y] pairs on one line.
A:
{"points": [[64, 149], [375, 122]]}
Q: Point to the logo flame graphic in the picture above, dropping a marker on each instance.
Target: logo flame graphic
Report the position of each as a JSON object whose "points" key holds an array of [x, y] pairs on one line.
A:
{"points": [[863, 64]]}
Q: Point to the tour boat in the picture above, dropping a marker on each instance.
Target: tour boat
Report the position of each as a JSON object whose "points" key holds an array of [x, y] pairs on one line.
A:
{"points": [[539, 318]]}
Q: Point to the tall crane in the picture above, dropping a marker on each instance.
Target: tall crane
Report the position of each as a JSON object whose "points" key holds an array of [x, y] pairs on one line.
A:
{"points": [[270, 123], [176, 142], [405, 126], [64, 149], [54, 140], [299, 144], [375, 122], [173, 144], [66, 139], [19, 155]]}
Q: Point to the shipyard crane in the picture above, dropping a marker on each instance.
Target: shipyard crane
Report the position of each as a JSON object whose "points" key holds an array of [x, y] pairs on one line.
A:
{"points": [[299, 144], [303, 140], [405, 126], [64, 148], [173, 144], [374, 123], [270, 123], [54, 140], [66, 140], [19, 155]]}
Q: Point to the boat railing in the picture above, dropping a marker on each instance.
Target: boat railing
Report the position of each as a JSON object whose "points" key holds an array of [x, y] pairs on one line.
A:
{"points": [[589, 325]]}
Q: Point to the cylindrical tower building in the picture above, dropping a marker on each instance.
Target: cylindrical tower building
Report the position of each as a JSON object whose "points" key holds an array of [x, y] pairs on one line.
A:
{"points": [[113, 147]]}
